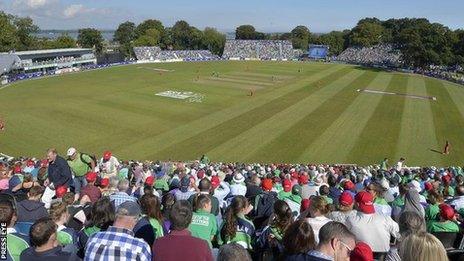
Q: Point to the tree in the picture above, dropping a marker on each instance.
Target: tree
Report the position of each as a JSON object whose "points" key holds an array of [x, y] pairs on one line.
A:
{"points": [[149, 24], [90, 38], [8, 38], [150, 38], [335, 40], [64, 41], [25, 27], [300, 37], [245, 32], [184, 36], [366, 34], [214, 40], [125, 35]]}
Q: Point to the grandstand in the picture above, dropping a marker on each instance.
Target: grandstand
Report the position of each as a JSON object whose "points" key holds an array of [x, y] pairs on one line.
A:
{"points": [[258, 50], [149, 53], [380, 55], [45, 61]]}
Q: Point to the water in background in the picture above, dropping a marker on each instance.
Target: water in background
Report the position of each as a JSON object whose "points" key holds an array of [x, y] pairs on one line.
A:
{"points": [[53, 34]]}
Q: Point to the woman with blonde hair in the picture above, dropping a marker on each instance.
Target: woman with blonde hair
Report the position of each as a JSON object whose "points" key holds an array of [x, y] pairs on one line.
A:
{"points": [[60, 215], [316, 214], [422, 246]]}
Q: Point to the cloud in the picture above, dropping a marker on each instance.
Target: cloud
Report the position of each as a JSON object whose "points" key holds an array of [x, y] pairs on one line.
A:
{"points": [[73, 10], [33, 4]]}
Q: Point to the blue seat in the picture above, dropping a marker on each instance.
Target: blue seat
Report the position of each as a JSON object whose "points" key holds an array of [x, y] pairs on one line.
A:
{"points": [[23, 227]]}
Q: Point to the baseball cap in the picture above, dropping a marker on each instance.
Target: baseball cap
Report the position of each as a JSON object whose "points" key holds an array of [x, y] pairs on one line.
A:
{"points": [[266, 184], [287, 184], [60, 191], [150, 180], [104, 182], [446, 179], [129, 208], [296, 190], [345, 199], [446, 212], [348, 185], [91, 176], [365, 202], [362, 252], [71, 151], [428, 186], [107, 155], [305, 203], [303, 179], [184, 184], [215, 181]]}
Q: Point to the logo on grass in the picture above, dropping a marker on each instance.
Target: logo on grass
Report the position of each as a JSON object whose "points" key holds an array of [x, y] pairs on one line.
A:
{"points": [[186, 96]]}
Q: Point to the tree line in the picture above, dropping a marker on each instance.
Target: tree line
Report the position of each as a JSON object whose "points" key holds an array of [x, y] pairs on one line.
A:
{"points": [[421, 42]]}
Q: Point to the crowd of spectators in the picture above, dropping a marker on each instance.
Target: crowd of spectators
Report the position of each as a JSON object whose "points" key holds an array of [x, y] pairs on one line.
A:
{"points": [[380, 55], [453, 74], [82, 207], [156, 54], [259, 49]]}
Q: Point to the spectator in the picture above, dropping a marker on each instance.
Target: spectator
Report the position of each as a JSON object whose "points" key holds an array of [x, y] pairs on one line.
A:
{"points": [[380, 204], [236, 227], [362, 252], [204, 224], [32, 209], [121, 196], [167, 248], [44, 243], [205, 189], [167, 202], [422, 246], [90, 190], [446, 223], [59, 175], [80, 165], [238, 186], [370, 227], [458, 201], [233, 252], [221, 188], [100, 218], [271, 238], [316, 214], [15, 242], [22, 189], [287, 189], [118, 241], [294, 200], [60, 215], [298, 240], [335, 240], [345, 208], [185, 191], [412, 203], [307, 189], [109, 165], [149, 227]]}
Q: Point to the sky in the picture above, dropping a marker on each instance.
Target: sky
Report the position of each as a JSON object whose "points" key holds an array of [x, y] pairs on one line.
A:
{"points": [[266, 15]]}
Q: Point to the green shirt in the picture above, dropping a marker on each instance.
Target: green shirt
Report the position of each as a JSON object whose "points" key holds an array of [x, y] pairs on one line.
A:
{"points": [[161, 184], [203, 226], [15, 245], [398, 202], [447, 226], [156, 227], [283, 195], [78, 167], [431, 213], [328, 200]]}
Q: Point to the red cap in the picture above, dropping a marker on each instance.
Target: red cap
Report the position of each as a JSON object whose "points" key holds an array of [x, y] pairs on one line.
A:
{"points": [[365, 202], [305, 203], [349, 185], [44, 163], [345, 199], [266, 184], [287, 184], [60, 191], [200, 174], [446, 212], [91, 176], [428, 186], [295, 175], [303, 179], [17, 169], [107, 155], [30, 163], [150, 180], [446, 179], [215, 181], [104, 182], [362, 252]]}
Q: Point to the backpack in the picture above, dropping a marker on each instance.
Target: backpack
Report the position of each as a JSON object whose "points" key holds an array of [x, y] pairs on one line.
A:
{"points": [[264, 205], [94, 159]]}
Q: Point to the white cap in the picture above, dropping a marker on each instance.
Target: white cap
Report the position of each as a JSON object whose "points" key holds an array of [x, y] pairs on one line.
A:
{"points": [[71, 151]]}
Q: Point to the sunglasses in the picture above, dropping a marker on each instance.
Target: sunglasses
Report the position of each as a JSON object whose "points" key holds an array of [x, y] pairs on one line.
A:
{"points": [[347, 247]]}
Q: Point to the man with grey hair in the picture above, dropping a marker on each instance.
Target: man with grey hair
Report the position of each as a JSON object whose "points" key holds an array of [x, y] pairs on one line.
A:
{"points": [[118, 241], [121, 196], [233, 251]]}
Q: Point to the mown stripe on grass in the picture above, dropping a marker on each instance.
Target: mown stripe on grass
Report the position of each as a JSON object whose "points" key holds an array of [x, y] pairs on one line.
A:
{"points": [[337, 140], [417, 136], [185, 131], [448, 121], [380, 135], [249, 142], [308, 129], [212, 137]]}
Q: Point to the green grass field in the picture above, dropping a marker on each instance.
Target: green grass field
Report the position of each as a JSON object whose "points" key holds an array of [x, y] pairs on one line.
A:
{"points": [[300, 112]]}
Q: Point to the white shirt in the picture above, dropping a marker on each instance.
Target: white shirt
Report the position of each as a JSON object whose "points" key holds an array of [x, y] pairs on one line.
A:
{"points": [[399, 166], [316, 223], [458, 202], [221, 192], [238, 189], [341, 216], [110, 167], [373, 229]]}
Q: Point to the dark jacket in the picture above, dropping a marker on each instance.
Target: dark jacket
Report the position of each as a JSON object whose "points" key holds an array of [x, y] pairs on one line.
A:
{"points": [[168, 247], [55, 254], [59, 172], [31, 210]]}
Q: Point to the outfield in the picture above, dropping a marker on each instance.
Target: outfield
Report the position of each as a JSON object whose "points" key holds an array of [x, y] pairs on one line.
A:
{"points": [[300, 112]]}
